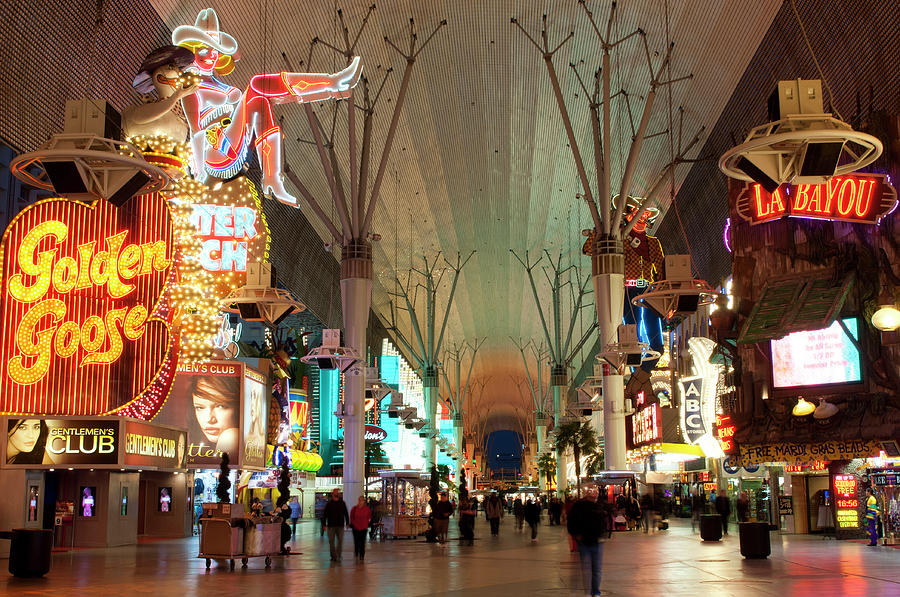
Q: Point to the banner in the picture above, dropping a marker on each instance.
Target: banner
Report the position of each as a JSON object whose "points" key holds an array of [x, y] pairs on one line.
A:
{"points": [[692, 393], [154, 446], [43, 443], [255, 418], [802, 453]]}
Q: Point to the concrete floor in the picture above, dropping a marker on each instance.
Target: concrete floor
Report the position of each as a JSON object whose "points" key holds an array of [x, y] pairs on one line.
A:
{"points": [[669, 563]]}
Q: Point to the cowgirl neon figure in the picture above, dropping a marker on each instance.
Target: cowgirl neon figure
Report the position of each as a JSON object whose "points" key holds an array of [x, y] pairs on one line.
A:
{"points": [[224, 120]]}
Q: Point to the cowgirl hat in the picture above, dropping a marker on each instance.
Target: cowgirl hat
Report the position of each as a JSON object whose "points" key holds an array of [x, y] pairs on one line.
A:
{"points": [[180, 57], [205, 31]]}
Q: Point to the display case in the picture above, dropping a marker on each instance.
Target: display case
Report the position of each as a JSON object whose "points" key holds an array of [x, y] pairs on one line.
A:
{"points": [[404, 494]]}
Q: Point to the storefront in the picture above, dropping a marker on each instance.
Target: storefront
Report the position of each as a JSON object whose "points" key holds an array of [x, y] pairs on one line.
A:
{"points": [[96, 481]]}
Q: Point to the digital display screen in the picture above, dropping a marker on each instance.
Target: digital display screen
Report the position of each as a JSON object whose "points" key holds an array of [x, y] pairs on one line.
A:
{"points": [[817, 358], [165, 499], [88, 503]]}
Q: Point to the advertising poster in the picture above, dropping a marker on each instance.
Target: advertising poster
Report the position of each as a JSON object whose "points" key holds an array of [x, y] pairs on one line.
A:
{"points": [[34, 443], [154, 446], [817, 358], [206, 398], [255, 415]]}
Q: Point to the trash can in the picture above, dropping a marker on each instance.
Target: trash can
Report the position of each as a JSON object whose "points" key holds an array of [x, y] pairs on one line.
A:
{"points": [[29, 553], [710, 527], [755, 542]]}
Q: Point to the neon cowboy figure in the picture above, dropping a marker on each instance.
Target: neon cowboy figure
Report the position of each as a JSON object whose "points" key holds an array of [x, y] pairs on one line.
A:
{"points": [[224, 120]]}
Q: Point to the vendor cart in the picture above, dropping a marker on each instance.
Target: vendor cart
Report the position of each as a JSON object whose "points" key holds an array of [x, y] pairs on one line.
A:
{"points": [[404, 494], [223, 536]]}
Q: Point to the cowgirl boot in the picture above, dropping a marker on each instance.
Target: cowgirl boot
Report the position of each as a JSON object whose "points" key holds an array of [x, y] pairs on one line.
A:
{"points": [[268, 151], [284, 87]]}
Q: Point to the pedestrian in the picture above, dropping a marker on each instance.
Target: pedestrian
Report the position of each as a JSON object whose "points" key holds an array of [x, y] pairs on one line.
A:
{"points": [[360, 517], [296, 513], [697, 506], [533, 517], [646, 511], [493, 511], [723, 507], [443, 510], [554, 509], [633, 512], [872, 516], [743, 507], [567, 507], [335, 517], [587, 524], [519, 512], [374, 524], [468, 510], [320, 513]]}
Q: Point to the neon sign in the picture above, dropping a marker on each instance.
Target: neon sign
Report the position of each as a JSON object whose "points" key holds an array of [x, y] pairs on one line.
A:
{"points": [[224, 120], [863, 198], [645, 425], [846, 500], [81, 287], [225, 232], [725, 432]]}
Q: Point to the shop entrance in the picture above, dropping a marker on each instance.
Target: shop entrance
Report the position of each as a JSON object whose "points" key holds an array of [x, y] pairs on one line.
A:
{"points": [[819, 505]]}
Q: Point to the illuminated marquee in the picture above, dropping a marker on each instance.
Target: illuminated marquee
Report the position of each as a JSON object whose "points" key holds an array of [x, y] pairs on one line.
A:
{"points": [[846, 501], [863, 198], [80, 301], [645, 425], [725, 432], [226, 232]]}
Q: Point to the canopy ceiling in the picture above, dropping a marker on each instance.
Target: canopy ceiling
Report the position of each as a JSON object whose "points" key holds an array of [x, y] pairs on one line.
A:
{"points": [[480, 161]]}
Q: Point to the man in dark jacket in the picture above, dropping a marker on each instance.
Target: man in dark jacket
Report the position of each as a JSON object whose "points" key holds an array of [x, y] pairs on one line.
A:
{"points": [[587, 524], [336, 518], [723, 507], [443, 510], [533, 517]]}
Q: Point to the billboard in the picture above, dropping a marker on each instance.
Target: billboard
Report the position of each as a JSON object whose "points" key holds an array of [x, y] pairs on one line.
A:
{"points": [[153, 446], [42, 443], [206, 398], [80, 305], [821, 357], [255, 416]]}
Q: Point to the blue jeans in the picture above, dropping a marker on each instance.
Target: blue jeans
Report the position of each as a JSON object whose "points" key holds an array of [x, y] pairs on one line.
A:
{"points": [[591, 566]]}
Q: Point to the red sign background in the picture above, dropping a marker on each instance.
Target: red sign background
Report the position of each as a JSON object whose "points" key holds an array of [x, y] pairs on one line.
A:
{"points": [[97, 324]]}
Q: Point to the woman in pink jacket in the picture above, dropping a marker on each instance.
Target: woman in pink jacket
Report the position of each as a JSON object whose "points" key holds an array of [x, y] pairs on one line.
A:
{"points": [[360, 517]]}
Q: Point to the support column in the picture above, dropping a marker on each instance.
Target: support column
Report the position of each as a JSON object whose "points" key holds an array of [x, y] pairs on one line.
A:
{"points": [[540, 430], [430, 392], [558, 384], [356, 299], [460, 456], [608, 270]]}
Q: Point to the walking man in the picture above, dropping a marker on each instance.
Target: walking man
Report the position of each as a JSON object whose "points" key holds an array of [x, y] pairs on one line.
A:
{"points": [[443, 510], [493, 510], [519, 512], [723, 507], [296, 513], [872, 516], [697, 506], [533, 517], [336, 518], [587, 524]]}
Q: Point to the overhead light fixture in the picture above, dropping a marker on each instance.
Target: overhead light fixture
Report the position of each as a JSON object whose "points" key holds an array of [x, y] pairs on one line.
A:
{"points": [[825, 410], [259, 300], [803, 408], [679, 293], [887, 317], [802, 144]]}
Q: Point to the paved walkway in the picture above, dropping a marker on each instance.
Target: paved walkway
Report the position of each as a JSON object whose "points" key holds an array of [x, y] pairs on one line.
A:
{"points": [[670, 563]]}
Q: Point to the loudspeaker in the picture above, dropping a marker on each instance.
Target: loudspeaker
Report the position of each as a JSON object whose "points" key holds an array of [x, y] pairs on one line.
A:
{"points": [[326, 363], [286, 311], [758, 176], [687, 303], [65, 178], [586, 412], [633, 359], [821, 159], [249, 312], [129, 189]]}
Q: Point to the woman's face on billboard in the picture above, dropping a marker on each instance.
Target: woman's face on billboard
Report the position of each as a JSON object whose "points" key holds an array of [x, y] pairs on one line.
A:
{"points": [[213, 417], [25, 435]]}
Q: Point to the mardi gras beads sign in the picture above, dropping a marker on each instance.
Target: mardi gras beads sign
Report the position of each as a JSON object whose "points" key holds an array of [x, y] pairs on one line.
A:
{"points": [[80, 290]]}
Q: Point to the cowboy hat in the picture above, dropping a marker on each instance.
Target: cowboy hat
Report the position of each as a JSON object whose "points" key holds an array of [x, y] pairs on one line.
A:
{"points": [[205, 31], [180, 57]]}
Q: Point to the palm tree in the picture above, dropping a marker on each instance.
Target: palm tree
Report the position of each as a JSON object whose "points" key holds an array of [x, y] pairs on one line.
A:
{"points": [[547, 467], [580, 436]]}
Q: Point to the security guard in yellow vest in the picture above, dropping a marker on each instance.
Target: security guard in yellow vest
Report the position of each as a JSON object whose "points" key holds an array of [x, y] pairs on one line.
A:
{"points": [[872, 516]]}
